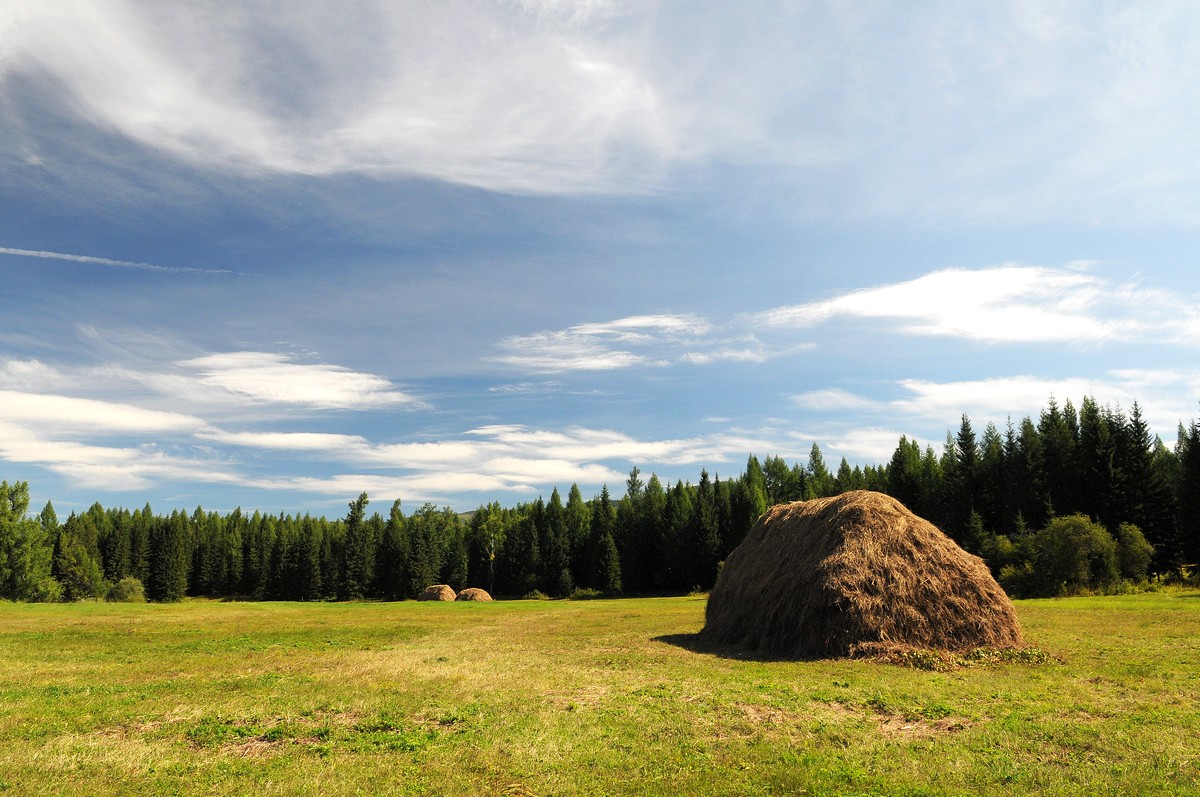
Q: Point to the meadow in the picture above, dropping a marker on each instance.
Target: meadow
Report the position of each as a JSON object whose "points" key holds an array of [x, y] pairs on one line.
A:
{"points": [[597, 697]]}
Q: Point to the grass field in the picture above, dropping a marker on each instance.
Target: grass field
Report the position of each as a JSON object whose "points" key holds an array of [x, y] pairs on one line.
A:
{"points": [[589, 697]]}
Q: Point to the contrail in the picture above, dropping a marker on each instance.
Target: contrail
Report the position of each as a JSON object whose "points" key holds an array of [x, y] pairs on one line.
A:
{"points": [[107, 261]]}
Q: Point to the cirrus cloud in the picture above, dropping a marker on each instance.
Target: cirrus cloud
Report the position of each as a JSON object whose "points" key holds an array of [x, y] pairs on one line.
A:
{"points": [[274, 379], [1009, 304]]}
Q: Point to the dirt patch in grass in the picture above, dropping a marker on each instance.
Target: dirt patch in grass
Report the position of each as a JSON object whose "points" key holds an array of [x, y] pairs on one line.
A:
{"points": [[768, 715], [901, 727], [587, 697], [251, 748]]}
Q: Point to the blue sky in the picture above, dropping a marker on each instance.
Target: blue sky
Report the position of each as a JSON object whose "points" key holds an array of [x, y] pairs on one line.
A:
{"points": [[274, 255]]}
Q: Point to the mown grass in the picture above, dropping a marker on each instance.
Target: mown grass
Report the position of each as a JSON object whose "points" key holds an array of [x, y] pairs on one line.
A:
{"points": [[578, 698]]}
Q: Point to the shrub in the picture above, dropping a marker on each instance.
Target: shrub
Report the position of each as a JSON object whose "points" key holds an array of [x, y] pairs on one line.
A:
{"points": [[127, 590], [1073, 554], [1018, 580], [584, 594], [47, 590], [535, 595], [1133, 552]]}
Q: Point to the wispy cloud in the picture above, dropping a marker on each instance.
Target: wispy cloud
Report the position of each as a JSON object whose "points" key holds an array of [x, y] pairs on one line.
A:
{"points": [[856, 424], [244, 379], [267, 378], [1009, 304], [553, 352], [993, 114], [89, 415], [107, 261], [645, 340], [833, 399], [509, 96]]}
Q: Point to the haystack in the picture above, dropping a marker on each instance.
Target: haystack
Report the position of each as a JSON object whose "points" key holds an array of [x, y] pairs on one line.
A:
{"points": [[473, 594], [437, 592], [857, 573]]}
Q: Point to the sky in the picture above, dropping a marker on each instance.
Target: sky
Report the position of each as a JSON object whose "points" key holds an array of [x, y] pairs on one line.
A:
{"points": [[275, 254]]}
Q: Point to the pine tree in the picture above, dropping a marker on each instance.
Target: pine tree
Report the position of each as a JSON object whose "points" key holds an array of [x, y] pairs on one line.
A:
{"points": [[820, 482], [706, 543], [139, 543], [601, 567], [26, 547], [1189, 494], [649, 540], [392, 560], [425, 561], [676, 575], [992, 481], [904, 476], [358, 552], [1030, 495], [170, 557], [577, 521], [1057, 432], [556, 561]]}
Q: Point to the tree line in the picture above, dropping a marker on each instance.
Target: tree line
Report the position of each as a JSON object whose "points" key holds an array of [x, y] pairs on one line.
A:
{"points": [[1074, 500]]}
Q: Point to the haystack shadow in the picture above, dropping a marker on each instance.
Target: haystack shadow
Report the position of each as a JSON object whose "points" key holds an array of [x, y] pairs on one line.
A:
{"points": [[694, 643]]}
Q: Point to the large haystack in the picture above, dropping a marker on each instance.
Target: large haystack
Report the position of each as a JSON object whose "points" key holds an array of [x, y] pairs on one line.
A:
{"points": [[855, 573], [437, 592], [473, 594]]}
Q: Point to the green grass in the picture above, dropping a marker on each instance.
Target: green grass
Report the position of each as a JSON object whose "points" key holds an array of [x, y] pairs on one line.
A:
{"points": [[578, 697]]}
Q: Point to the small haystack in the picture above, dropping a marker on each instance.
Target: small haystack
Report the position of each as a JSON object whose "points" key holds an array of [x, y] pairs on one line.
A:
{"points": [[856, 573], [437, 592], [473, 594]]}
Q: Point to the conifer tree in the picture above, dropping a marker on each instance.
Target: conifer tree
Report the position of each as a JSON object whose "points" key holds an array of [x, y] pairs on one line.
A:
{"points": [[556, 559], [171, 555], [358, 563], [820, 480]]}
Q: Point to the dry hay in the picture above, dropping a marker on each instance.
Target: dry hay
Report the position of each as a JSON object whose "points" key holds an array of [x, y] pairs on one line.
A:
{"points": [[437, 592], [855, 573], [473, 594]]}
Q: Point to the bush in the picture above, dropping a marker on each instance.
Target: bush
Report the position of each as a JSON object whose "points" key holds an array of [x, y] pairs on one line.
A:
{"points": [[127, 590], [1018, 580], [1073, 554], [47, 590], [1133, 552], [584, 594], [535, 595]]}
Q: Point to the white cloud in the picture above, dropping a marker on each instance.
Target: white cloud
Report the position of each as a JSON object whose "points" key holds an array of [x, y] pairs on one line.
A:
{"points": [[998, 398], [288, 441], [1009, 304], [106, 467], [553, 352], [29, 375], [870, 443], [650, 340], [926, 409], [89, 416], [602, 346], [749, 355], [833, 399], [996, 113], [645, 328], [274, 379], [1165, 397], [513, 97]]}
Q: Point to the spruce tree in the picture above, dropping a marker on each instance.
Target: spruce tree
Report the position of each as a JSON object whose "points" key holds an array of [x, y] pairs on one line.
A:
{"points": [[358, 552]]}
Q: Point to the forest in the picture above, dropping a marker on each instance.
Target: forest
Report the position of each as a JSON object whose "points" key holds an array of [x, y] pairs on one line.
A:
{"points": [[1077, 500]]}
